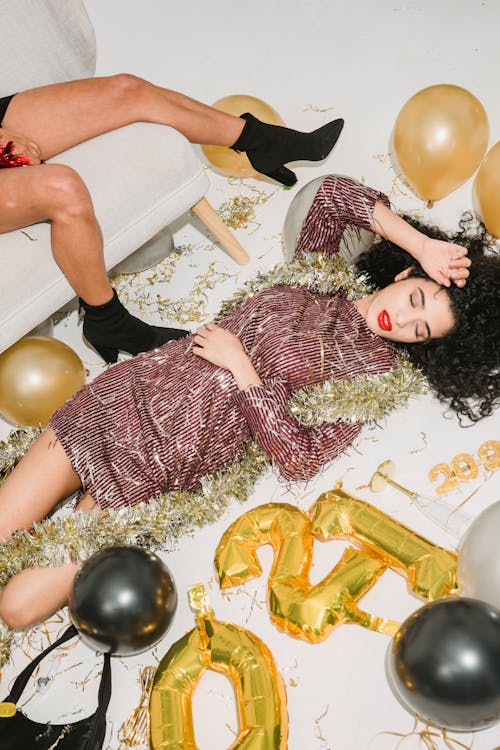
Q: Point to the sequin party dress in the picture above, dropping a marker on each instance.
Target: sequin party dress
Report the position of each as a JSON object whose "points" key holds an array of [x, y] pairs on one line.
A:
{"points": [[161, 420]]}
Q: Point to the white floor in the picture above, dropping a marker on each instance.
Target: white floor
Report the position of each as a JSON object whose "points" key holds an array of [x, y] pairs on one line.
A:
{"points": [[312, 61]]}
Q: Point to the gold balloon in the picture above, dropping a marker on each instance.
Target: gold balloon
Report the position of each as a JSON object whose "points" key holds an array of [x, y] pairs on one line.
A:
{"points": [[431, 570], [37, 375], [311, 612], [224, 159], [439, 139], [296, 607], [234, 652], [486, 190]]}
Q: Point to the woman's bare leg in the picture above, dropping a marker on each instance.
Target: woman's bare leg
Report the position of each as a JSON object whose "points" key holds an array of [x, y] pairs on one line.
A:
{"points": [[35, 594], [42, 478], [65, 114], [56, 193], [62, 115]]}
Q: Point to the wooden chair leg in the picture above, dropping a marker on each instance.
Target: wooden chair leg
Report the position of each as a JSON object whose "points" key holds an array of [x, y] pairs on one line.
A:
{"points": [[204, 211]]}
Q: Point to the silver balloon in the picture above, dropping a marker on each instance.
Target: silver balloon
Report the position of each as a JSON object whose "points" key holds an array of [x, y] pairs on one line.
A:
{"points": [[148, 255], [444, 664], [123, 600], [354, 241], [479, 558]]}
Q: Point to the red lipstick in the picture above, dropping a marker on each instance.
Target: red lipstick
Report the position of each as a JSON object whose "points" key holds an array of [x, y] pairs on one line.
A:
{"points": [[384, 320]]}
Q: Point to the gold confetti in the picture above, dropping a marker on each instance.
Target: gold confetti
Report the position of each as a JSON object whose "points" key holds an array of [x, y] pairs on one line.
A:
{"points": [[424, 439], [233, 731], [428, 735], [382, 158], [238, 212], [399, 187], [32, 239], [319, 733], [313, 108]]}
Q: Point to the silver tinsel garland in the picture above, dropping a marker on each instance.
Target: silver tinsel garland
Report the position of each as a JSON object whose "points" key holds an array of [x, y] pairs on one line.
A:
{"points": [[160, 522]]}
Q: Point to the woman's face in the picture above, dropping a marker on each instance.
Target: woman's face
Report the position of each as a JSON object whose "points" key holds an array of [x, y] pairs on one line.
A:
{"points": [[409, 311]]}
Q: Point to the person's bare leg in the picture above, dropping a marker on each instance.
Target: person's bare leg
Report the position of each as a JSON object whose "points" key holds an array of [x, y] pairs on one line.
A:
{"points": [[61, 115], [56, 193], [42, 478], [36, 593], [65, 114]]}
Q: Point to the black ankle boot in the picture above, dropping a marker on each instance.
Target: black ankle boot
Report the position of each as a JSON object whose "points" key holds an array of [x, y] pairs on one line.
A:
{"points": [[110, 328], [269, 147]]}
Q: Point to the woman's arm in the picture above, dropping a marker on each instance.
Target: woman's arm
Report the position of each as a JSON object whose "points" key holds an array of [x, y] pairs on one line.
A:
{"points": [[339, 202], [342, 201], [297, 450], [224, 349], [441, 260]]}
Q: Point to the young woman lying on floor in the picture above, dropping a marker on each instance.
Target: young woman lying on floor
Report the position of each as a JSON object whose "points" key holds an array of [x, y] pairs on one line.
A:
{"points": [[162, 420]]}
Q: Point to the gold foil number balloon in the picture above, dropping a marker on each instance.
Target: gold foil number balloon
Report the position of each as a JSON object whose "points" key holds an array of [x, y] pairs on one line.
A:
{"points": [[37, 375], [296, 607], [224, 159], [431, 570], [311, 612], [486, 190], [439, 139], [234, 652]]}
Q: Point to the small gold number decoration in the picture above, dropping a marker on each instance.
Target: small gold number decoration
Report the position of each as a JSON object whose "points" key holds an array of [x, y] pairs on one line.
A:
{"points": [[464, 467]]}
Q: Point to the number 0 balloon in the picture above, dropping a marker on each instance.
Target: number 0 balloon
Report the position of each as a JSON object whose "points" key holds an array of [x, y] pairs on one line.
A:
{"points": [[235, 652]]}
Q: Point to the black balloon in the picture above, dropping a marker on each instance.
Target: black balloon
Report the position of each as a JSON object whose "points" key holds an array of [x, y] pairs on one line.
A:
{"points": [[123, 600], [445, 663]]}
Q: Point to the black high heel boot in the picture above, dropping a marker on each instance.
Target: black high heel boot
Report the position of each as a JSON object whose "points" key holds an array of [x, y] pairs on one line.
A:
{"points": [[269, 147], [110, 328]]}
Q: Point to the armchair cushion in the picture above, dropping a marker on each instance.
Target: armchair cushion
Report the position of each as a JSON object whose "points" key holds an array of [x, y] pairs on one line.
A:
{"points": [[140, 177]]}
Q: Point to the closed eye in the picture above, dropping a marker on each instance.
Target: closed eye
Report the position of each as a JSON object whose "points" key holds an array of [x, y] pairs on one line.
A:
{"points": [[417, 298], [422, 332]]}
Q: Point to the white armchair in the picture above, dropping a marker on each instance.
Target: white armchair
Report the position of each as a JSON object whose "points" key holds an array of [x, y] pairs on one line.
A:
{"points": [[141, 177]]}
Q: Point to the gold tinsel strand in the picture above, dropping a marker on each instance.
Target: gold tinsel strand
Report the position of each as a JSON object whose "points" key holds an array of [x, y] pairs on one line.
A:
{"points": [[315, 271], [359, 399], [238, 212], [160, 522], [6, 638], [14, 448]]}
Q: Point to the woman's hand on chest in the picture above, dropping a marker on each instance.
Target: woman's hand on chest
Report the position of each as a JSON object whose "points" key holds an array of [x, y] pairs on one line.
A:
{"points": [[223, 349]]}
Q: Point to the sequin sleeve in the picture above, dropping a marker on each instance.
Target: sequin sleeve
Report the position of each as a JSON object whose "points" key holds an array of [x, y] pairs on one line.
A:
{"points": [[297, 450], [339, 203]]}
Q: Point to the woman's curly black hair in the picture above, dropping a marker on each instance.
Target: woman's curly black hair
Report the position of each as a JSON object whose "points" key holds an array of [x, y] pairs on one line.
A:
{"points": [[463, 367]]}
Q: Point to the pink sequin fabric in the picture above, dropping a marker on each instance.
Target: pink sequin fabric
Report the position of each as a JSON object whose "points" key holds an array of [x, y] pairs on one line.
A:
{"points": [[163, 419]]}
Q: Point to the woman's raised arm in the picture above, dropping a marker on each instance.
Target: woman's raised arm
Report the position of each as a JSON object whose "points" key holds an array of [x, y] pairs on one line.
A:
{"points": [[442, 261], [339, 202]]}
